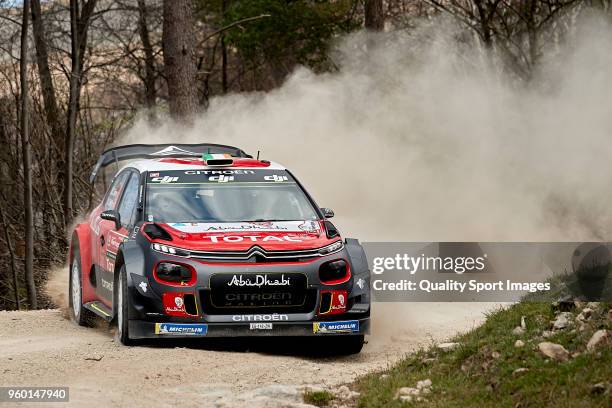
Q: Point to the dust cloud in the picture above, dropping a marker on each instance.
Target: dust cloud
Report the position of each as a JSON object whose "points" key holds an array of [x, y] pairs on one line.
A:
{"points": [[57, 283], [424, 138], [56, 287]]}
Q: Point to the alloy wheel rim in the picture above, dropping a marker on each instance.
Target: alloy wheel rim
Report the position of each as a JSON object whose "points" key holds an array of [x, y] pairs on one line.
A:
{"points": [[120, 306], [76, 290]]}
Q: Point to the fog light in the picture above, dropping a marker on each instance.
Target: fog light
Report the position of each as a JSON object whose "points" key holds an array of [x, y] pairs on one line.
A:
{"points": [[334, 272], [173, 273]]}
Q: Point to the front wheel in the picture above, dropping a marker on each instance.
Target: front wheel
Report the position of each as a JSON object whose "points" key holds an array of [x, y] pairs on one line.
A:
{"points": [[122, 309], [341, 345], [352, 345], [79, 314]]}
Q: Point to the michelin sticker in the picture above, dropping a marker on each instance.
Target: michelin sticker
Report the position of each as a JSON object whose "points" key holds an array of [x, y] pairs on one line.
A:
{"points": [[181, 329], [349, 326]]}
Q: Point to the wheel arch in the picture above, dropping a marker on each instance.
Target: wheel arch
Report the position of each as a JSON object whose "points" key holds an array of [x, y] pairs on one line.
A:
{"points": [[81, 238], [360, 267], [131, 256]]}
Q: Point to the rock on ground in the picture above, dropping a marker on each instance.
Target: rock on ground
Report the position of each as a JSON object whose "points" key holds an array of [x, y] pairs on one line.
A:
{"points": [[554, 351], [520, 370], [597, 339], [448, 346], [563, 320]]}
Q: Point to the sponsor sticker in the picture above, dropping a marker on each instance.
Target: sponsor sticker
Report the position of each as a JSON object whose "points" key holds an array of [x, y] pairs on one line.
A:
{"points": [[174, 304], [181, 329], [260, 326], [164, 179], [291, 229], [337, 302], [349, 326], [259, 281], [276, 178], [260, 317]]}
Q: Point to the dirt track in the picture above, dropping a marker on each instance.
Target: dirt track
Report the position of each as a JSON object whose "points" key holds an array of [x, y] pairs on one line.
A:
{"points": [[42, 348]]}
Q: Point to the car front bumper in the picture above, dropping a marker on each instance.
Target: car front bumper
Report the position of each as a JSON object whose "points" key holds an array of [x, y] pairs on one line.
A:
{"points": [[141, 329]]}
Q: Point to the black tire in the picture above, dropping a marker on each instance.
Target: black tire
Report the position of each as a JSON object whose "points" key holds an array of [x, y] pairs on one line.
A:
{"points": [[121, 305], [78, 313], [342, 345], [352, 345]]}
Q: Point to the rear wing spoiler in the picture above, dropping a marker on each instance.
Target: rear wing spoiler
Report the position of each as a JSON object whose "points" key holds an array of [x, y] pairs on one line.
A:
{"points": [[156, 151]]}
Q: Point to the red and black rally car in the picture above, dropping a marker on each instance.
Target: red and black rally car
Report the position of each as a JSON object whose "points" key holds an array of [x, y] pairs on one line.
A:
{"points": [[205, 240]]}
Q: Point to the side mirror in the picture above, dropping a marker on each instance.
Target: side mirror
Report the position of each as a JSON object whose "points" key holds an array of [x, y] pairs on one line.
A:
{"points": [[327, 212], [112, 215]]}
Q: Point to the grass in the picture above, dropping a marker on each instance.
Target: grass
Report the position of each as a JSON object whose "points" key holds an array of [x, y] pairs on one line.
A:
{"points": [[318, 398], [480, 372]]}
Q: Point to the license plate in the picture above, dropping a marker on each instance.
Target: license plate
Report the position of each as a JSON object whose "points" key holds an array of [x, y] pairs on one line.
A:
{"points": [[260, 326]]}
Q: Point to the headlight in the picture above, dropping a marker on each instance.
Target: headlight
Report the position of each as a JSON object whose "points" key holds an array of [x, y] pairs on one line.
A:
{"points": [[334, 272], [169, 250], [173, 273], [336, 246]]}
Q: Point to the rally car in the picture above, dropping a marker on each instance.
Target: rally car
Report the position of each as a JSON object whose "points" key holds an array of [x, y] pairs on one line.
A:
{"points": [[206, 241]]}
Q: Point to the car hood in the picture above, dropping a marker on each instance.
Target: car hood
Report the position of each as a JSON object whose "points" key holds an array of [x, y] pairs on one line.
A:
{"points": [[241, 236]]}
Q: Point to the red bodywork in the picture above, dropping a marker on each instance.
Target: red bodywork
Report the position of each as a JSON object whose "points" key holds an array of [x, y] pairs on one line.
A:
{"points": [[99, 241], [241, 240]]}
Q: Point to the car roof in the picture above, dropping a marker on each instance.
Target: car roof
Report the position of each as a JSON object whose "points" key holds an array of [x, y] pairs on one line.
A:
{"points": [[167, 164]]}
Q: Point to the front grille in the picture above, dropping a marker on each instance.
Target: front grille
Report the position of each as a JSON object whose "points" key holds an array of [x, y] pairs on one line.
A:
{"points": [[259, 255], [258, 293]]}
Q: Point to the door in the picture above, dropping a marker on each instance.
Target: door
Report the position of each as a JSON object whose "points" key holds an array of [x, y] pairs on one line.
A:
{"points": [[123, 200]]}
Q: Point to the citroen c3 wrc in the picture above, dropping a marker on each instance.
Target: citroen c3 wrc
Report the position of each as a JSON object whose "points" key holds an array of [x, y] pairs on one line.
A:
{"points": [[206, 241]]}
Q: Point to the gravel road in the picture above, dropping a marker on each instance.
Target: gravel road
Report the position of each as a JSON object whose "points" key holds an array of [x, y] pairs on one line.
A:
{"points": [[43, 348]]}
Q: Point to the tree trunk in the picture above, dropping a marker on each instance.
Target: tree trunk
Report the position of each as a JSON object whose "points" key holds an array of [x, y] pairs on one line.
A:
{"points": [[223, 52], [484, 21], [46, 81], [72, 112], [26, 149], [79, 23], [9, 244], [178, 45], [149, 79], [532, 34], [374, 15]]}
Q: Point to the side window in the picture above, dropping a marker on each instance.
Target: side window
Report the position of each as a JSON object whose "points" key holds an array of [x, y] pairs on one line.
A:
{"points": [[110, 202], [128, 200]]}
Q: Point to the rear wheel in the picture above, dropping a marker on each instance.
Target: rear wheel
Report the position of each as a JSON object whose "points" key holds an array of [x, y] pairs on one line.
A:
{"points": [[122, 309], [79, 314]]}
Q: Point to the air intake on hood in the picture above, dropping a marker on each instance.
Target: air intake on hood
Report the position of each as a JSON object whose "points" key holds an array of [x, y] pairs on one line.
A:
{"points": [[330, 230], [218, 159], [155, 231]]}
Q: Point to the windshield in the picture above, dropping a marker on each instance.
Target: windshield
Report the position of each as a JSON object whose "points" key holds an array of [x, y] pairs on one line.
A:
{"points": [[225, 196]]}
